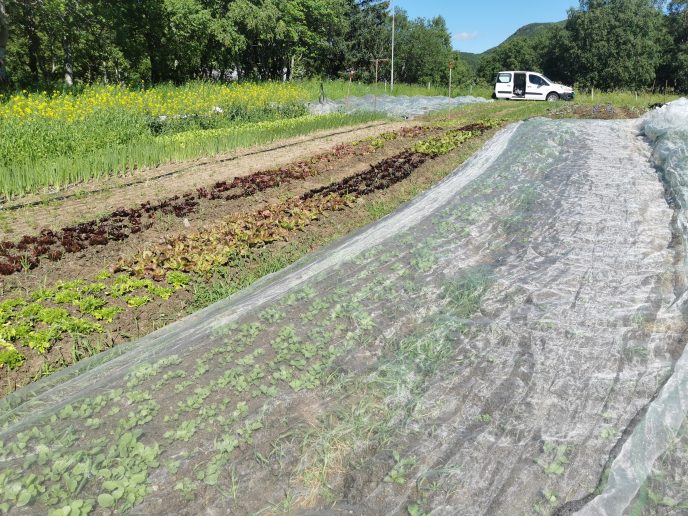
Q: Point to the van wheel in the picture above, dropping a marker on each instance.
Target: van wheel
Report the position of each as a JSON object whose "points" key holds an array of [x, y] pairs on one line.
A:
{"points": [[552, 97]]}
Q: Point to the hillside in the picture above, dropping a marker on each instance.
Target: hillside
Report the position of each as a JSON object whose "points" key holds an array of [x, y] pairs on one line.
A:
{"points": [[531, 30]]}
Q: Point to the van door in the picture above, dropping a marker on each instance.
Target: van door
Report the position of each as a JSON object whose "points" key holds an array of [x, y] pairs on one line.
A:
{"points": [[535, 89], [504, 85], [519, 91]]}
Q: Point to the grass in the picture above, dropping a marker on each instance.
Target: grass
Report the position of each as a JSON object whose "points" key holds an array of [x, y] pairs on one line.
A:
{"points": [[122, 156], [375, 409], [623, 98], [339, 89], [465, 292], [51, 140], [47, 135], [368, 415], [229, 280]]}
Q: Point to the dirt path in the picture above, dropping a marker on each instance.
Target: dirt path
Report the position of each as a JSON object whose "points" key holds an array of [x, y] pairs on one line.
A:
{"points": [[96, 198]]}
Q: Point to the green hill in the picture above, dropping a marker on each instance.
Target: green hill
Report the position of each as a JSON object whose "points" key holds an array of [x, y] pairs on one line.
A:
{"points": [[531, 30]]}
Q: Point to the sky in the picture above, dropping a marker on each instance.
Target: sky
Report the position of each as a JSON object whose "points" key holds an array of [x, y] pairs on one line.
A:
{"points": [[477, 25]]}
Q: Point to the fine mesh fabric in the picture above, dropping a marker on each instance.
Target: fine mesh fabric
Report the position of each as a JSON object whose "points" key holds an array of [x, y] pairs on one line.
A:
{"points": [[400, 106], [502, 344]]}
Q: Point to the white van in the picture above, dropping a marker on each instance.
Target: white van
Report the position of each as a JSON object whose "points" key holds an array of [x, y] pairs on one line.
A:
{"points": [[529, 86]]}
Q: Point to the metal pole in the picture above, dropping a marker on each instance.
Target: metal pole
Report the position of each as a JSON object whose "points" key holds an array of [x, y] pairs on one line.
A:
{"points": [[348, 88], [391, 82]]}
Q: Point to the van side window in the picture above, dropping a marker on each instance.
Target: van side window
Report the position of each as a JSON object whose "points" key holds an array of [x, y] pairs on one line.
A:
{"points": [[537, 80], [504, 77]]}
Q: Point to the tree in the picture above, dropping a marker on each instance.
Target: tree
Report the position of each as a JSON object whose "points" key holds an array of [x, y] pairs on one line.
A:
{"points": [[677, 56], [53, 43], [462, 73], [516, 54], [616, 43], [188, 27], [4, 36], [554, 47], [368, 37], [423, 50]]}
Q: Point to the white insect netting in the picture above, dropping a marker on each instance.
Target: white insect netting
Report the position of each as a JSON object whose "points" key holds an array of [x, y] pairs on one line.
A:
{"points": [[401, 106], [486, 349], [650, 474]]}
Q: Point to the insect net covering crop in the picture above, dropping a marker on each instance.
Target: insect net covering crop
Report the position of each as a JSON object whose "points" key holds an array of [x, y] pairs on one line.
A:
{"points": [[160, 422]]}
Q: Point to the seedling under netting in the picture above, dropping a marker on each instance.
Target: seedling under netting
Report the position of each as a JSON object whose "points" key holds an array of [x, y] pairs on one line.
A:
{"points": [[481, 350]]}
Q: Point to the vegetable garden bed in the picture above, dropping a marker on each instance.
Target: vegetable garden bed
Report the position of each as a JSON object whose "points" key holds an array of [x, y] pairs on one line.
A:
{"points": [[482, 349]]}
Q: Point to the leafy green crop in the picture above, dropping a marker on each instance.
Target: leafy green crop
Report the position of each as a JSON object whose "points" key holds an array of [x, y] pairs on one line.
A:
{"points": [[444, 144], [9, 356]]}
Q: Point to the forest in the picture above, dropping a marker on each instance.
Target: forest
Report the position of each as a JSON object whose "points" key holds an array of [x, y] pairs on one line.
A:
{"points": [[63, 42], [53, 44]]}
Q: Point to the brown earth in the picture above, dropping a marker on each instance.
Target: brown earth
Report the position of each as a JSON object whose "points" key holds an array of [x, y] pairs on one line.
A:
{"points": [[99, 197]]}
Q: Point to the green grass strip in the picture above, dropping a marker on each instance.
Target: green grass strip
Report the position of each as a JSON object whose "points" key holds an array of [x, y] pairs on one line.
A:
{"points": [[34, 176]]}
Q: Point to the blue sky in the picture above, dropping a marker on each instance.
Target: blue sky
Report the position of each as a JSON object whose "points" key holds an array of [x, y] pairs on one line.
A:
{"points": [[481, 24]]}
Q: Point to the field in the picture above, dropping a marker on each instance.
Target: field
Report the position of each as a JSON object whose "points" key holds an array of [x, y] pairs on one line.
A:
{"points": [[296, 389], [87, 269], [51, 140]]}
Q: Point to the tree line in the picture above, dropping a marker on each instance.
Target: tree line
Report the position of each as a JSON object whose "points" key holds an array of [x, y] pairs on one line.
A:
{"points": [[605, 44], [55, 43]]}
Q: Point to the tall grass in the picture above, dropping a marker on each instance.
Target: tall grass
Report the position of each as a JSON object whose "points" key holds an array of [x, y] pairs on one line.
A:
{"points": [[50, 140], [53, 139], [623, 98], [120, 157]]}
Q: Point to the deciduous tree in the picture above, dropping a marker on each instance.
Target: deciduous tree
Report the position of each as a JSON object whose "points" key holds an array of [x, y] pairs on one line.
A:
{"points": [[616, 43], [4, 36]]}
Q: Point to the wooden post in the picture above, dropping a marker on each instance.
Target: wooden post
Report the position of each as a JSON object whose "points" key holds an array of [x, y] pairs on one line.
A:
{"points": [[451, 67], [377, 64], [450, 80]]}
